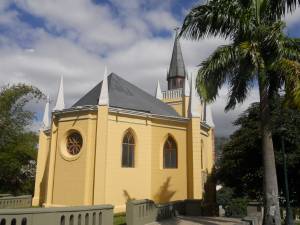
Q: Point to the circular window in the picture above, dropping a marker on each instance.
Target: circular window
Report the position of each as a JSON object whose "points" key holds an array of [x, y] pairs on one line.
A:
{"points": [[74, 143]]}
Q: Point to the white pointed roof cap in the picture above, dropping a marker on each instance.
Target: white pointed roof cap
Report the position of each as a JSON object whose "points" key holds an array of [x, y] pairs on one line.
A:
{"points": [[104, 98], [46, 117], [209, 116], [195, 105], [158, 94], [60, 101], [186, 87]]}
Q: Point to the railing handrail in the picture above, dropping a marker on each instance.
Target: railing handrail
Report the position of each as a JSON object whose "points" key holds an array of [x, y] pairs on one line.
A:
{"points": [[55, 209], [176, 93], [15, 197]]}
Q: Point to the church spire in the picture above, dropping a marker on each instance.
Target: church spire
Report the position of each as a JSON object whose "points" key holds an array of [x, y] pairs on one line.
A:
{"points": [[177, 71], [104, 98], [46, 117], [60, 102], [158, 93]]}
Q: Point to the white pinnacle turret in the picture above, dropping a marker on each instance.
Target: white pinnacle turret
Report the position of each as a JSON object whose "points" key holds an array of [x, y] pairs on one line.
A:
{"points": [[209, 116], [194, 110], [46, 117], [60, 102], [186, 87], [104, 98], [158, 94]]}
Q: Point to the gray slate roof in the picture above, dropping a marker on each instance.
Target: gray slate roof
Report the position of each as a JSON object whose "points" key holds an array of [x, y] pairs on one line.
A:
{"points": [[123, 94], [177, 67]]}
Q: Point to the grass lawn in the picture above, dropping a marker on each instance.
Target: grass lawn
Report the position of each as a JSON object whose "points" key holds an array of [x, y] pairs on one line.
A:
{"points": [[120, 219]]}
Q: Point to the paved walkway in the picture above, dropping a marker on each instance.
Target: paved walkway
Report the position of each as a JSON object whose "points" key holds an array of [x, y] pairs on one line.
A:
{"points": [[184, 220]]}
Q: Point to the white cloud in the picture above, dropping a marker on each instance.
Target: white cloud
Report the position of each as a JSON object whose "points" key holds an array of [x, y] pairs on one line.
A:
{"points": [[161, 20], [293, 18], [119, 34]]}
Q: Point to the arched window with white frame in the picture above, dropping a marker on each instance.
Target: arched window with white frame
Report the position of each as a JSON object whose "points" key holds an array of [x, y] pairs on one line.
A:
{"points": [[170, 153], [128, 148]]}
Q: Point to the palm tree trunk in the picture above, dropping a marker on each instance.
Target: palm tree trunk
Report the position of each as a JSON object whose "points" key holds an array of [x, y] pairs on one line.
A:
{"points": [[271, 200]]}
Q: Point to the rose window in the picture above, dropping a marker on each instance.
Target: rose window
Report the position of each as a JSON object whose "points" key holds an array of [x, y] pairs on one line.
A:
{"points": [[74, 143]]}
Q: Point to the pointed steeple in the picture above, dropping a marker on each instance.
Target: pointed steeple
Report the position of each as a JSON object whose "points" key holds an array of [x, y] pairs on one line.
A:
{"points": [[209, 116], [194, 107], [60, 102], [46, 117], [186, 87], [177, 71], [104, 98], [158, 94]]}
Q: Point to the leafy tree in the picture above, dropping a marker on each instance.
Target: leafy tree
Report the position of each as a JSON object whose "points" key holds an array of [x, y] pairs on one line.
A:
{"points": [[240, 168], [259, 52], [18, 145]]}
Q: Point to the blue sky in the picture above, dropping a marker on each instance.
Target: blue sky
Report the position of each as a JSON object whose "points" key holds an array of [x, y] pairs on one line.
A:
{"points": [[42, 40]]}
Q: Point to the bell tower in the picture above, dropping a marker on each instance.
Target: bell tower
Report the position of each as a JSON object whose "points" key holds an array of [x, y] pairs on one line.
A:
{"points": [[177, 73]]}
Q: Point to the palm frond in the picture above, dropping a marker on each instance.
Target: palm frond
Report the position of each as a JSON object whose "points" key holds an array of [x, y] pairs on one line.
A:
{"points": [[240, 83], [217, 18], [289, 71], [291, 49], [274, 9], [281, 7], [215, 70]]}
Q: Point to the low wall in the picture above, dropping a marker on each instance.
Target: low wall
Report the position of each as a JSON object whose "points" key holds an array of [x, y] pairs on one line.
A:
{"points": [[87, 215], [5, 195], [254, 213], [11, 202], [139, 212]]}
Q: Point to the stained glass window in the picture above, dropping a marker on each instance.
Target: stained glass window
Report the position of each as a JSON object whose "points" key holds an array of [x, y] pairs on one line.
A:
{"points": [[128, 150], [170, 153], [74, 143]]}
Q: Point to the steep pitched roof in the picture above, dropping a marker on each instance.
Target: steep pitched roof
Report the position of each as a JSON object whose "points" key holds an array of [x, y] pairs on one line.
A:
{"points": [[123, 94], [177, 67]]}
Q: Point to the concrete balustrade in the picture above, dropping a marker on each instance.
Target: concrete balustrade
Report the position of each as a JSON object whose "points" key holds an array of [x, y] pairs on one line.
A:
{"points": [[172, 94], [11, 202], [82, 215], [139, 212]]}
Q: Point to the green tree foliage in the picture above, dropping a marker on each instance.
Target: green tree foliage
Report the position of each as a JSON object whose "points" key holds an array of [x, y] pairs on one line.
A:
{"points": [[241, 164], [260, 52], [18, 145]]}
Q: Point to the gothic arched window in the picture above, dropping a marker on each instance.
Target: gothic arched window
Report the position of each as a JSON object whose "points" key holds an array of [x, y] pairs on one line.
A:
{"points": [[128, 145], [170, 153]]}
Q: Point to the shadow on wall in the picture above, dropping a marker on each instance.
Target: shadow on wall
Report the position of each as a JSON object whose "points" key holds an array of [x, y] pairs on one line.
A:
{"points": [[209, 195], [43, 183], [127, 196], [164, 195]]}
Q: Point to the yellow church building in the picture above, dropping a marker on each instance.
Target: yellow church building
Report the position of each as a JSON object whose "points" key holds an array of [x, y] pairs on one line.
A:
{"points": [[118, 143]]}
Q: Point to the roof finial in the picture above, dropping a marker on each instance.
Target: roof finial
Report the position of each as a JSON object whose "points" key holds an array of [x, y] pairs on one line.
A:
{"points": [[194, 100], [46, 117], [60, 102], [158, 94], [104, 98]]}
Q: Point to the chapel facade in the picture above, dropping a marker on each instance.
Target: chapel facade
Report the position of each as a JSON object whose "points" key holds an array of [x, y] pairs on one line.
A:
{"points": [[118, 143]]}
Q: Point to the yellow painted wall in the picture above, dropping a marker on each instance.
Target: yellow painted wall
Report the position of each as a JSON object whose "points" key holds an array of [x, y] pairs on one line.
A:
{"points": [[168, 184], [41, 169], [73, 180], [123, 184], [77, 181]]}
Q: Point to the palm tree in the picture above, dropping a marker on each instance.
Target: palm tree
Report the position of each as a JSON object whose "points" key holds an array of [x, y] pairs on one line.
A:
{"points": [[259, 52]]}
